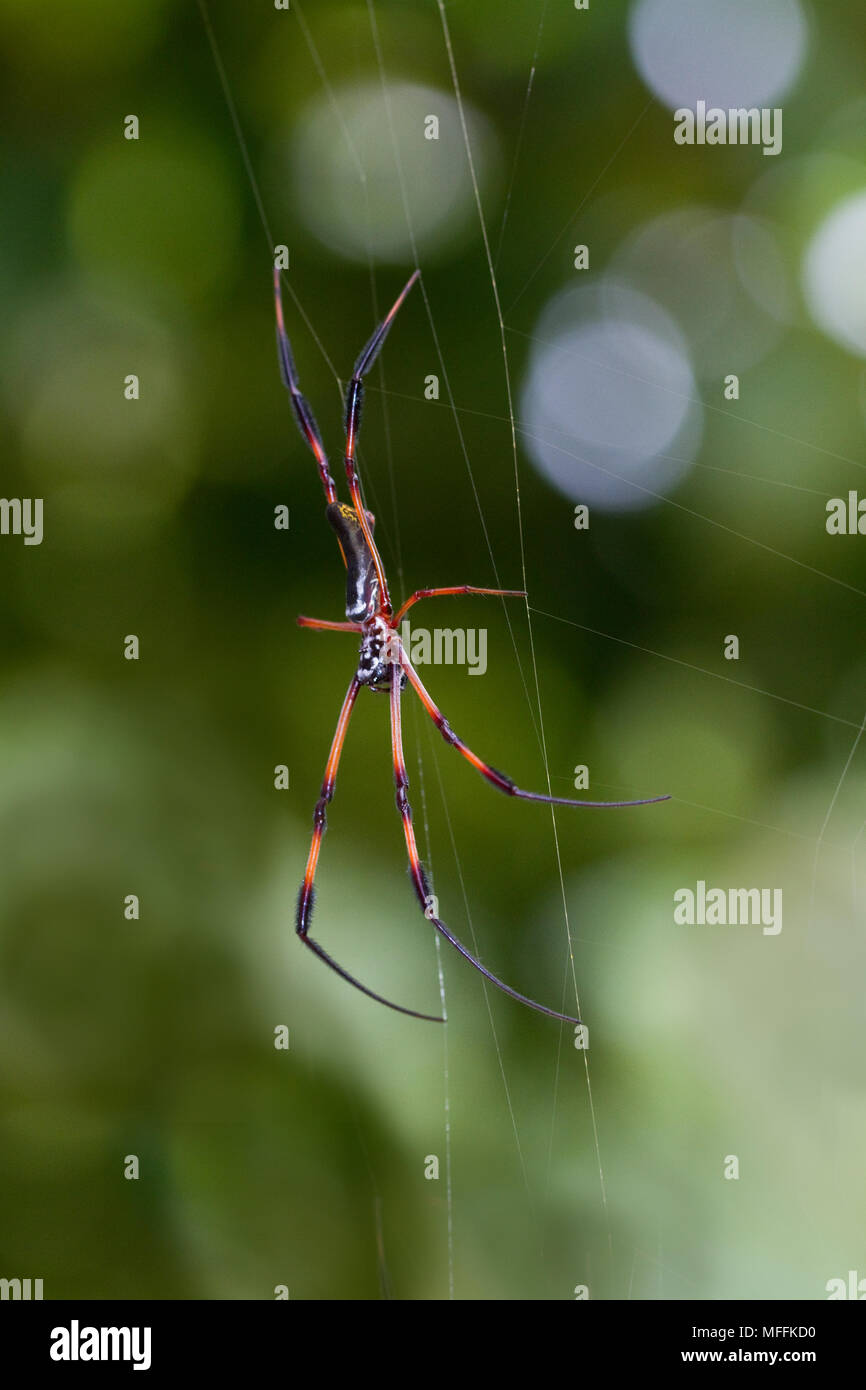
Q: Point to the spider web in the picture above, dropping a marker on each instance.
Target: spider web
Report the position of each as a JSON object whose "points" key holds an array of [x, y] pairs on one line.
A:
{"points": [[371, 488], [491, 239]]}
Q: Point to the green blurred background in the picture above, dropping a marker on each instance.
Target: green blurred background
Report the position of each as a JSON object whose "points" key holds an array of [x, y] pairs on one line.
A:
{"points": [[154, 1037]]}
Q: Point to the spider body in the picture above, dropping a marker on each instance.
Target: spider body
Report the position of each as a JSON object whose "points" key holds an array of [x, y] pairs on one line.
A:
{"points": [[362, 585], [377, 667], [383, 665]]}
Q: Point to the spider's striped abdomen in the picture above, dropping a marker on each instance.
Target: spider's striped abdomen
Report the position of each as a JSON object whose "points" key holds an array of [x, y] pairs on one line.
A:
{"points": [[362, 586]]}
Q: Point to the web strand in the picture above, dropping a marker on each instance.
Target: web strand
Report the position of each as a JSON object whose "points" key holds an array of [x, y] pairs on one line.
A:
{"points": [[834, 798], [508, 391], [410, 228], [520, 133], [247, 163]]}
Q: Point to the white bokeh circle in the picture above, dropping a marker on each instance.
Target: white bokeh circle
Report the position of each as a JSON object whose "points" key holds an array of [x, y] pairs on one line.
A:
{"points": [[362, 169], [833, 276], [609, 413], [729, 53]]}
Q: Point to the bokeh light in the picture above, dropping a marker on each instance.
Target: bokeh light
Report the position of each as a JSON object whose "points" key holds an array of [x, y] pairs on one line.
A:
{"points": [[729, 53], [349, 187], [834, 279], [762, 268], [107, 461], [686, 260], [609, 412]]}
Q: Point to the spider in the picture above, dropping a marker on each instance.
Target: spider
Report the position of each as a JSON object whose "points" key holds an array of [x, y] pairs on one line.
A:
{"points": [[383, 665]]}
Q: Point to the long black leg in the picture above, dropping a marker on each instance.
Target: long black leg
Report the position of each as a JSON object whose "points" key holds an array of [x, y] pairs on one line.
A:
{"points": [[416, 868], [497, 779], [354, 401], [301, 406]]}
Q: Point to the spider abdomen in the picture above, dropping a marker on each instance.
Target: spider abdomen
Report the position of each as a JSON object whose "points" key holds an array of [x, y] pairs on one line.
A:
{"points": [[362, 585]]}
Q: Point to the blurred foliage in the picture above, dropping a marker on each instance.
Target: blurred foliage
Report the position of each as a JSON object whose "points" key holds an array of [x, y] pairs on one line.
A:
{"points": [[155, 1037]]}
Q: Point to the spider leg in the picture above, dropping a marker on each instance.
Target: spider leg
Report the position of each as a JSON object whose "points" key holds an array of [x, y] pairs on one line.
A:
{"points": [[320, 820], [499, 779], [324, 625], [354, 401], [416, 868], [303, 412], [458, 589]]}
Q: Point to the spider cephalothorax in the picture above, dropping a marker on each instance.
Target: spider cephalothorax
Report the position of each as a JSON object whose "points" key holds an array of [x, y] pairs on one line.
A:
{"points": [[382, 661]]}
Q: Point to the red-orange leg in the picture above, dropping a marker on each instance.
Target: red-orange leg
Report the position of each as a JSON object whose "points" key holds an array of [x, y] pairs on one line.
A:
{"points": [[457, 589], [320, 815], [416, 868], [354, 401], [323, 625], [499, 779], [320, 822]]}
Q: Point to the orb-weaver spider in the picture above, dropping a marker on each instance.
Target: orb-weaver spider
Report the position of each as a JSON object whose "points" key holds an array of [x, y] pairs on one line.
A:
{"points": [[382, 663]]}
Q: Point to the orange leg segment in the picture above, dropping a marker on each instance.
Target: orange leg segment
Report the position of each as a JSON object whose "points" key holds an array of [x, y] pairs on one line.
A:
{"points": [[457, 589], [320, 820]]}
